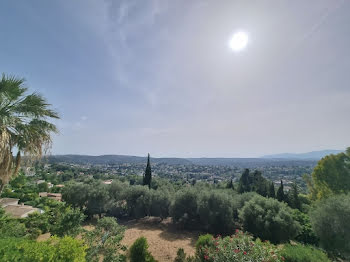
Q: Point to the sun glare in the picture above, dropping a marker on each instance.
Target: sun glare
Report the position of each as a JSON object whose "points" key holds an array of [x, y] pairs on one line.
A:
{"points": [[238, 41]]}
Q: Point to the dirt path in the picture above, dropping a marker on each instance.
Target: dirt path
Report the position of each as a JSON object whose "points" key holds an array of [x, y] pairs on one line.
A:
{"points": [[163, 238]]}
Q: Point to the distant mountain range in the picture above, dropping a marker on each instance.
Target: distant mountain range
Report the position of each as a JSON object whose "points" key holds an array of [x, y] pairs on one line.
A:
{"points": [[309, 155]]}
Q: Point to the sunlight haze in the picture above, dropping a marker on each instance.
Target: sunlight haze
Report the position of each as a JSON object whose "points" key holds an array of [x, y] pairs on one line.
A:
{"points": [[158, 76]]}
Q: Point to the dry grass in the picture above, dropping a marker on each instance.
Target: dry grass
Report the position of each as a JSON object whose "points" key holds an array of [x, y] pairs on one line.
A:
{"points": [[163, 238]]}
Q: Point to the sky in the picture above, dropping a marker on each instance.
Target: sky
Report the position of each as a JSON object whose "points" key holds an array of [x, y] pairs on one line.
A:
{"points": [[138, 76]]}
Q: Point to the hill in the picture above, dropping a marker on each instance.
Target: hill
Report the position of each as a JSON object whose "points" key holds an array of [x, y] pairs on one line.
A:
{"points": [[316, 155], [125, 159]]}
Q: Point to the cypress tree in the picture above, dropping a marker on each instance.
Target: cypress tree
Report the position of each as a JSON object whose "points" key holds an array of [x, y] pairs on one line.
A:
{"points": [[244, 182], [147, 178], [294, 200], [230, 184], [272, 192], [280, 193]]}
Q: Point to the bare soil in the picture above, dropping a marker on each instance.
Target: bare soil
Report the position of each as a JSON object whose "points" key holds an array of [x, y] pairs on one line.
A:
{"points": [[163, 238]]}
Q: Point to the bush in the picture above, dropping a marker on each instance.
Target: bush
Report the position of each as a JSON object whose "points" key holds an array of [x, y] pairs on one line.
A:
{"points": [[10, 227], [203, 241], [330, 221], [215, 211], [184, 208], [300, 253], [239, 248], [180, 255], [105, 240], [138, 200], [138, 251], [160, 203], [307, 234], [269, 219], [64, 249]]}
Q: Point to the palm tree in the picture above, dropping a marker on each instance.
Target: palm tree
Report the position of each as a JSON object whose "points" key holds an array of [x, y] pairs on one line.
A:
{"points": [[24, 125]]}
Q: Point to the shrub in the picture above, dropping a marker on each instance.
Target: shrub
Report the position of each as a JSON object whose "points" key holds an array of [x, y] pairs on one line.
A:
{"points": [[64, 249], [10, 227], [307, 234], [180, 255], [300, 253], [215, 210], [138, 251], [160, 203], [330, 221], [269, 219], [203, 241], [138, 201], [184, 208], [105, 240], [239, 248]]}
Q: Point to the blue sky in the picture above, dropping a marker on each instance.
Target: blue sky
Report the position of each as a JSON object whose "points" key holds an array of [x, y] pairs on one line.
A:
{"points": [[132, 76]]}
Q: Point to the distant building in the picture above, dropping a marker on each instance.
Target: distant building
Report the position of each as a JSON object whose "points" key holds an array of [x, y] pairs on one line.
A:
{"points": [[54, 196], [11, 206], [108, 182], [60, 185]]}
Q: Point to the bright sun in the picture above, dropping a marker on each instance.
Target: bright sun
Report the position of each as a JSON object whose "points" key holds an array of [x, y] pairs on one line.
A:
{"points": [[238, 41]]}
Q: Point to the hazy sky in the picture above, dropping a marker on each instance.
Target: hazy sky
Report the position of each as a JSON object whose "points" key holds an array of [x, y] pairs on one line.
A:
{"points": [[138, 76]]}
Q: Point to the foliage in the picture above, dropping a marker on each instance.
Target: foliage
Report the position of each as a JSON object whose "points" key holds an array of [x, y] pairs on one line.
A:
{"points": [[10, 227], [239, 247], [147, 179], [70, 196], [180, 255], [24, 125], [331, 176], [105, 240], [280, 193], [271, 190], [184, 208], [215, 210], [293, 199], [330, 221], [64, 249], [138, 201], [160, 203], [269, 219], [307, 234], [301, 253], [253, 182], [138, 251], [65, 220]]}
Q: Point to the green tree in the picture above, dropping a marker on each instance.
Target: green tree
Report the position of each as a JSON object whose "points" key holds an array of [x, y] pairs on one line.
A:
{"points": [[105, 240], [184, 208], [244, 182], [160, 203], [215, 210], [55, 249], [43, 187], [269, 219], [280, 193], [65, 220], [10, 227], [24, 125], [147, 179], [293, 197], [271, 192], [230, 184], [331, 176], [330, 221], [70, 196], [138, 251]]}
